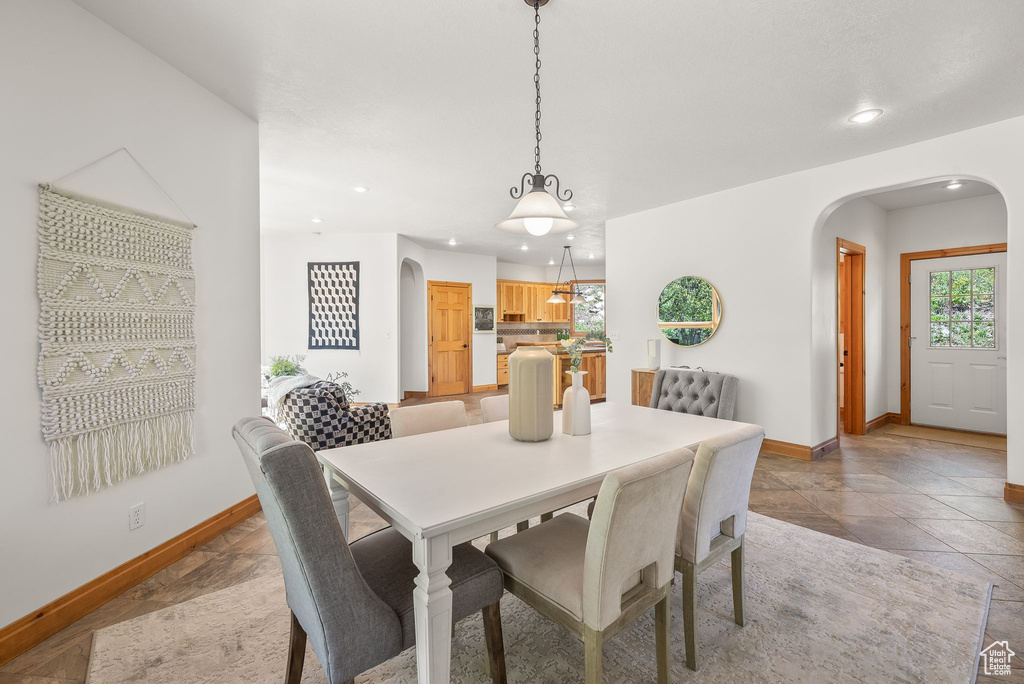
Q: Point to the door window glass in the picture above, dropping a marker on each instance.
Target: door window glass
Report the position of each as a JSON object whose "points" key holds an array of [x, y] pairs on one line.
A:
{"points": [[963, 306]]}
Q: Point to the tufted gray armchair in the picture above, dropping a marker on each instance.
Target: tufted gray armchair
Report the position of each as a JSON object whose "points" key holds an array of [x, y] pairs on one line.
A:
{"points": [[696, 392]]}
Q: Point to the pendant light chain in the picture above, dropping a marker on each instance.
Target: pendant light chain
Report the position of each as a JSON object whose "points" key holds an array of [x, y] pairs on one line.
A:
{"points": [[536, 80]]}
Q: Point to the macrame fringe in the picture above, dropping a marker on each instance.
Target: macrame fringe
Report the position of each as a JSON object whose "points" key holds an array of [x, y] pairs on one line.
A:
{"points": [[88, 462]]}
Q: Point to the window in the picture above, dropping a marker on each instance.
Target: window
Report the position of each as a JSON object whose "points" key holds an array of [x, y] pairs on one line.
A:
{"points": [[588, 316], [963, 308]]}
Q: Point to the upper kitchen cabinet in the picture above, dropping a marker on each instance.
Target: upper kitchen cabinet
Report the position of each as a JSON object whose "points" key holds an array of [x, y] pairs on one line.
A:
{"points": [[526, 302]]}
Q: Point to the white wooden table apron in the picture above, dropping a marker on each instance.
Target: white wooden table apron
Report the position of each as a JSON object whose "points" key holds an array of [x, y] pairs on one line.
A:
{"points": [[443, 488]]}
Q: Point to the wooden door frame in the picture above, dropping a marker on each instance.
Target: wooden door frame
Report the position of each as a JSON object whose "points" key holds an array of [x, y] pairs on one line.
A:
{"points": [[431, 380], [906, 260], [854, 376]]}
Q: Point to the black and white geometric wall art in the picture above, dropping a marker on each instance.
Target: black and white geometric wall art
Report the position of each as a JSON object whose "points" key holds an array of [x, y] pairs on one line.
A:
{"points": [[333, 304]]}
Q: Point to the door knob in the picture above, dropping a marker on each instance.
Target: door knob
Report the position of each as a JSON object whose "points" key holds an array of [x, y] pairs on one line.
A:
{"points": [[465, 346]]}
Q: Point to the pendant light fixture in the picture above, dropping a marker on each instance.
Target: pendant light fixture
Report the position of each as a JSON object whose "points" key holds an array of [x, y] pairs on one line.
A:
{"points": [[538, 212], [575, 297]]}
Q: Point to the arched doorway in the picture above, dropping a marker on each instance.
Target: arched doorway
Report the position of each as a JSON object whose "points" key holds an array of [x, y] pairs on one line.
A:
{"points": [[886, 230], [412, 313]]}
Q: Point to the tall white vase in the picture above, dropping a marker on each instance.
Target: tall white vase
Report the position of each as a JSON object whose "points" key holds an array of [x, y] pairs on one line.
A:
{"points": [[576, 406], [531, 394], [653, 354]]}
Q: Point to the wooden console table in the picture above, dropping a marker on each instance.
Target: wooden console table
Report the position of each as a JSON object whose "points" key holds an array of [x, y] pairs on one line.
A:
{"points": [[642, 385]]}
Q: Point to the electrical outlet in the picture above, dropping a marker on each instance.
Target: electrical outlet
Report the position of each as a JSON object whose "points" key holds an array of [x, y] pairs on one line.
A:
{"points": [[137, 516]]}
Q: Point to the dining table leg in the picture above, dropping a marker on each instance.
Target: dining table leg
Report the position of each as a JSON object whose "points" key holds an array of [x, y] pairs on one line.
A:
{"points": [[432, 605], [339, 497]]}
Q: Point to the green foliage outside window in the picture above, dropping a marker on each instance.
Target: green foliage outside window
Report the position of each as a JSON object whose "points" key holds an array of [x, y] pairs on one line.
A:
{"points": [[963, 308]]}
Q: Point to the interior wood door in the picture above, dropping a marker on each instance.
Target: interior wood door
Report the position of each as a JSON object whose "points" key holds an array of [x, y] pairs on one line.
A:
{"points": [[450, 324], [958, 342]]}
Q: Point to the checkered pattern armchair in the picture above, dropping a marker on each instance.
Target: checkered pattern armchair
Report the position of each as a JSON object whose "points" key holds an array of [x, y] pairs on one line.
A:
{"points": [[321, 416]]}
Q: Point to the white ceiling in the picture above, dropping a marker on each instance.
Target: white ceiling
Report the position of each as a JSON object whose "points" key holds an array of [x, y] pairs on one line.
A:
{"points": [[930, 193], [647, 102]]}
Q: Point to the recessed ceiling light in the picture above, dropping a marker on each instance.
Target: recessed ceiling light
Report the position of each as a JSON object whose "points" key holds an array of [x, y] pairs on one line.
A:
{"points": [[865, 116], [317, 219], [568, 207], [551, 262], [524, 248], [452, 242], [360, 188], [954, 185], [570, 237], [590, 256]]}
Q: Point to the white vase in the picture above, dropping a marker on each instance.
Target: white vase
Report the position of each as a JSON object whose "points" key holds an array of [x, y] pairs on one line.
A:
{"points": [[653, 354], [576, 406], [531, 394]]}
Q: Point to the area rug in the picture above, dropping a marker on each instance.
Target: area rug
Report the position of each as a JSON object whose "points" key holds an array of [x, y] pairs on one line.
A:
{"points": [[973, 439], [818, 609]]}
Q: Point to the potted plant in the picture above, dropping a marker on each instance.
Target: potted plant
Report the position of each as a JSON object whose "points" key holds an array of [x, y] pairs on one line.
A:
{"points": [[576, 399]]}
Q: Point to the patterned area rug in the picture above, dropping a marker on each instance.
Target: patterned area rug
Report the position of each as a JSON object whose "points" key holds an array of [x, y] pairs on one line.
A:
{"points": [[819, 609]]}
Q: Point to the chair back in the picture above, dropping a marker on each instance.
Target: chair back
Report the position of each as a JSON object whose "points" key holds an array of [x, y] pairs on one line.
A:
{"points": [[494, 408], [632, 533], [719, 491], [349, 627], [695, 392], [415, 420]]}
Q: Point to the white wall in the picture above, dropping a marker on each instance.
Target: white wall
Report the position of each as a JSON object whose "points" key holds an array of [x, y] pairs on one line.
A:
{"points": [[412, 310], [863, 222], [755, 243], [960, 223], [548, 274], [75, 90], [373, 369]]}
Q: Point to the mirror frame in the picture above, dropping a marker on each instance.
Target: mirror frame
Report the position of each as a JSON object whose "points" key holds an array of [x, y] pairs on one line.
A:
{"points": [[717, 313]]}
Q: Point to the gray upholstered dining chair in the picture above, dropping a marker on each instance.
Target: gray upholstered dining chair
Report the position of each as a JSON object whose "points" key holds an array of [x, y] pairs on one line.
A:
{"points": [[714, 519], [415, 420], [494, 408], [355, 602], [695, 392], [596, 577]]}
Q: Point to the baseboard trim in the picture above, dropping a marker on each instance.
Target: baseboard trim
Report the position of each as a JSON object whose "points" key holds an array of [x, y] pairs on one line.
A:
{"points": [[414, 395], [884, 419], [484, 388], [804, 453], [1013, 493], [39, 625]]}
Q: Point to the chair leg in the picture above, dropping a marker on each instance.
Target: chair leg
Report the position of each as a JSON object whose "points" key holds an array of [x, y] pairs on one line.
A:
{"points": [[544, 517], [662, 621], [296, 653], [523, 526], [592, 644], [494, 537], [495, 644], [690, 612], [737, 584]]}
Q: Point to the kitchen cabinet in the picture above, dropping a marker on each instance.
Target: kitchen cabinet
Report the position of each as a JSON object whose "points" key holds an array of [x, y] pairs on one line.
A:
{"points": [[595, 363], [527, 302], [502, 369]]}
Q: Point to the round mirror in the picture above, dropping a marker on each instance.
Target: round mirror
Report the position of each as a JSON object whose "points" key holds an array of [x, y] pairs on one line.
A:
{"points": [[689, 311]]}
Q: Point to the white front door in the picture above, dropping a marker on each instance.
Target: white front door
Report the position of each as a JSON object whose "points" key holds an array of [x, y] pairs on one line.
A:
{"points": [[958, 342]]}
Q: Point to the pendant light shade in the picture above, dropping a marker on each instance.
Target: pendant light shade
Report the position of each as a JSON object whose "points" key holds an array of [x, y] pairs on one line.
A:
{"points": [[556, 299], [569, 288], [538, 213]]}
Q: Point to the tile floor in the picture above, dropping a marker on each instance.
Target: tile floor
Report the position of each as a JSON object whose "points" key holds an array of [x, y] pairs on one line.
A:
{"points": [[930, 501]]}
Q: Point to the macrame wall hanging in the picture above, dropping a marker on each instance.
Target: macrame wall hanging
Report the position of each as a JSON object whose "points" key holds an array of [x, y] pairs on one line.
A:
{"points": [[117, 357]]}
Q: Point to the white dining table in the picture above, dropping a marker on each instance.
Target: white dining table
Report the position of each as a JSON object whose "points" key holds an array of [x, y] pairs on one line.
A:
{"points": [[440, 489]]}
